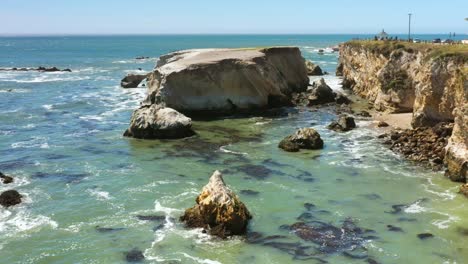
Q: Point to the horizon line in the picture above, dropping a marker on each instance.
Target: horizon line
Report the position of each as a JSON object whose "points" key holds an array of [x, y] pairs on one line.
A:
{"points": [[201, 34]]}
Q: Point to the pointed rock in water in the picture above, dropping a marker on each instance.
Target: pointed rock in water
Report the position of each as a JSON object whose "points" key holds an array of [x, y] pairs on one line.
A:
{"points": [[132, 80], [304, 138], [321, 93], [313, 69], [6, 179], [158, 122], [218, 210], [10, 198]]}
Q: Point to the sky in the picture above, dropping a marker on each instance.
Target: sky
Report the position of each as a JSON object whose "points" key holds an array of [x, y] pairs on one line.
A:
{"points": [[25, 17]]}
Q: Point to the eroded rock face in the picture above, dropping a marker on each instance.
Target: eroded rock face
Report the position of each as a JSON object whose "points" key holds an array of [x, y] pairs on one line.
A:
{"points": [[313, 69], [433, 88], [218, 81], [304, 138], [10, 198], [159, 122], [132, 80], [218, 210]]}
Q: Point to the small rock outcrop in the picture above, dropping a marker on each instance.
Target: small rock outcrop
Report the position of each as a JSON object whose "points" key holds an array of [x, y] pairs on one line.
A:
{"points": [[321, 93], [159, 122], [464, 189], [5, 178], [132, 80], [304, 138], [10, 198], [218, 210], [344, 123], [313, 69], [382, 124]]}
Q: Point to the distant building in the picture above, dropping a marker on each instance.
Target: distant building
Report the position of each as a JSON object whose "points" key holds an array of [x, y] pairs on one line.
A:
{"points": [[383, 35]]}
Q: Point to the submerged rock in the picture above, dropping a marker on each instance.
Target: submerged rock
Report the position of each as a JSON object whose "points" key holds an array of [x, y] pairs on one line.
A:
{"points": [[5, 179], [134, 255], [10, 198], [218, 210], [423, 236], [344, 123], [313, 69], [132, 80], [158, 122], [304, 138]]}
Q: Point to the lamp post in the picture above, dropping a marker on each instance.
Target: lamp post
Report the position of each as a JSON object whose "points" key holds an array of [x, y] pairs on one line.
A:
{"points": [[409, 26]]}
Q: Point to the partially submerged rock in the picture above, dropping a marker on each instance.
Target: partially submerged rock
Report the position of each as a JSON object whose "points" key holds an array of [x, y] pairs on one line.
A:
{"points": [[5, 178], [313, 69], [218, 210], [464, 189], [134, 255], [321, 93], [304, 138], [158, 122], [223, 81], [132, 80], [344, 123], [10, 198]]}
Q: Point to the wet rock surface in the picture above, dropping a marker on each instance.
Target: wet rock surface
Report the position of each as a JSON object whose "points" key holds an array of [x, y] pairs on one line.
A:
{"points": [[10, 198], [304, 138], [319, 94], [344, 123], [464, 189], [5, 179], [218, 210], [425, 145], [158, 122], [132, 80]]}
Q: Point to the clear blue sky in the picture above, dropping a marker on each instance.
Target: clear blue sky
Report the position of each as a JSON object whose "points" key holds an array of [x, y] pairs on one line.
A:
{"points": [[235, 16]]}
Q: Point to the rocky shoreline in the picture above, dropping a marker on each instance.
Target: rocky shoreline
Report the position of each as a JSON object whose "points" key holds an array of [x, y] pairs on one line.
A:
{"points": [[397, 78]]}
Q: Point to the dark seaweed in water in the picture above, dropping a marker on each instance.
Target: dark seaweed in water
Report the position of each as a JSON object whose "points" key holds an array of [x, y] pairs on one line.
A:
{"points": [[398, 208], [64, 176], [108, 229], [151, 217], [319, 239], [134, 255], [249, 192], [259, 172]]}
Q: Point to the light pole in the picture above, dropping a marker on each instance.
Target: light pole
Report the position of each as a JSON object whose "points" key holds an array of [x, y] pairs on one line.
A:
{"points": [[409, 26]]}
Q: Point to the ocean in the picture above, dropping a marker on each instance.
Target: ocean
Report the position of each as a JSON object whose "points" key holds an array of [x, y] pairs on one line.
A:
{"points": [[87, 189]]}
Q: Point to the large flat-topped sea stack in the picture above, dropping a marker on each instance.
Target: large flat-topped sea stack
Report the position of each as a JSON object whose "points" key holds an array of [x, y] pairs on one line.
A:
{"points": [[227, 80]]}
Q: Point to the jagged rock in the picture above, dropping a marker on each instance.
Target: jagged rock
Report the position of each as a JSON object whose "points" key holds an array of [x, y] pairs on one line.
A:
{"points": [[304, 138], [456, 151], [132, 80], [339, 70], [158, 122], [141, 58], [321, 93], [382, 124], [342, 99], [10, 198], [214, 82], [313, 69], [344, 123], [218, 210], [5, 179]]}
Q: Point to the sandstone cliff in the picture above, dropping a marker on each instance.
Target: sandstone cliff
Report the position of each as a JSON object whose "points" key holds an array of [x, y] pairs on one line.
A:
{"points": [[217, 81], [425, 79]]}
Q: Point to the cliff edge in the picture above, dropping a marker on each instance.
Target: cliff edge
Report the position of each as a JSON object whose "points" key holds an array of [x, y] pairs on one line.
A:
{"points": [[425, 79]]}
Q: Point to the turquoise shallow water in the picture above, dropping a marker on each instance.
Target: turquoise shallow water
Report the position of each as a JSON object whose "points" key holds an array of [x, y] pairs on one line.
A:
{"points": [[85, 185]]}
